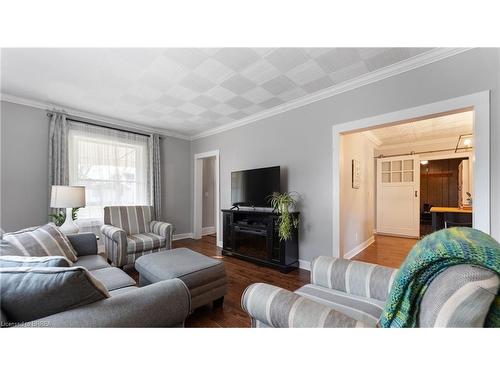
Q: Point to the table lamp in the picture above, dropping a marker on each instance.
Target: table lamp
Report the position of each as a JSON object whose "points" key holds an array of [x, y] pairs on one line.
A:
{"points": [[67, 197]]}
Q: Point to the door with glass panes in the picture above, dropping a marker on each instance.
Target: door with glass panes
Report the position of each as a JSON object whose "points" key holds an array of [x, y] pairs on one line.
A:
{"points": [[398, 196]]}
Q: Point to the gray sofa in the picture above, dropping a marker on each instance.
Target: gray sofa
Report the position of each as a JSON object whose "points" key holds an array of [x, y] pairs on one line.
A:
{"points": [[163, 304]]}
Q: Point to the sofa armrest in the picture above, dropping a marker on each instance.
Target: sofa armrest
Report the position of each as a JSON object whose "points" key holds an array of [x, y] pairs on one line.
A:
{"points": [[83, 243], [353, 277], [163, 304], [280, 308], [115, 243], [163, 229]]}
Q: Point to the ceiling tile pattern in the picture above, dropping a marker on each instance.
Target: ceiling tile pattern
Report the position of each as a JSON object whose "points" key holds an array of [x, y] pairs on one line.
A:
{"points": [[187, 90], [447, 126]]}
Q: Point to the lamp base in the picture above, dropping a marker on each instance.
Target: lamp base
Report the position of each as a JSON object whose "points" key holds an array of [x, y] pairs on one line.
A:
{"points": [[69, 226]]}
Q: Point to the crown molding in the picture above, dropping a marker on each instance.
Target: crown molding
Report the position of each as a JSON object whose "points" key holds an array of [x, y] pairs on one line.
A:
{"points": [[365, 79], [90, 116]]}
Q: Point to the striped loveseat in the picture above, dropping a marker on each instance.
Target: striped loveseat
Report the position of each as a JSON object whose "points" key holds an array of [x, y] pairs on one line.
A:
{"points": [[345, 293], [131, 231]]}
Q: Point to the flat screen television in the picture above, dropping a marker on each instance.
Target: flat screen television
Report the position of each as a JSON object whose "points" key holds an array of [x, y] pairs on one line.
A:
{"points": [[254, 186]]}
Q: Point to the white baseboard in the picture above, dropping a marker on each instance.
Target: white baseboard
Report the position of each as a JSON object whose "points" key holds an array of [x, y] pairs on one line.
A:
{"points": [[353, 252], [207, 230], [182, 236], [305, 265]]}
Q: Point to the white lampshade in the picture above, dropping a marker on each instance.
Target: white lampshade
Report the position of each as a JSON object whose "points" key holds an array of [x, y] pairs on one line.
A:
{"points": [[67, 196]]}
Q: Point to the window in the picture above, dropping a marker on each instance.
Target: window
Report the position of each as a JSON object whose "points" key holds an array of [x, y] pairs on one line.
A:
{"points": [[112, 165]]}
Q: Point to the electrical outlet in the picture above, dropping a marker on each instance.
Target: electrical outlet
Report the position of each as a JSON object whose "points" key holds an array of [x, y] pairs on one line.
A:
{"points": [[356, 236]]}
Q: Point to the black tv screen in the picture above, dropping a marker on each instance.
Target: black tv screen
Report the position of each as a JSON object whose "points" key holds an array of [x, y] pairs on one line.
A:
{"points": [[254, 186]]}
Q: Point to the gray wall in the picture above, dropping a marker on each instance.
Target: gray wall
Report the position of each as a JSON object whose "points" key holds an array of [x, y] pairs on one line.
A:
{"points": [[208, 206], [24, 171], [300, 140], [176, 183]]}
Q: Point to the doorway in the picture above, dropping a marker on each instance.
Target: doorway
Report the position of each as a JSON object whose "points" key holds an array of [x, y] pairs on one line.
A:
{"points": [[446, 182], [476, 104], [417, 171], [206, 211]]}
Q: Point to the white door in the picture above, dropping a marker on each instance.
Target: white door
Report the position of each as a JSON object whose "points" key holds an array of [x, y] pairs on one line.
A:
{"points": [[398, 196]]}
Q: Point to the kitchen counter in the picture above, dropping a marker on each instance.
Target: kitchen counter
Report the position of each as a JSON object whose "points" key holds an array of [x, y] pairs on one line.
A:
{"points": [[447, 217], [452, 209]]}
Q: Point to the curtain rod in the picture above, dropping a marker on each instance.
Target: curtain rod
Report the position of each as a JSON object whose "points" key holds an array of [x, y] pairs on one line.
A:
{"points": [[381, 156], [76, 119]]}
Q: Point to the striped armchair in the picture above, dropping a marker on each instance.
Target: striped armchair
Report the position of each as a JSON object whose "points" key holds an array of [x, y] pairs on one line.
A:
{"points": [[130, 231], [345, 293]]}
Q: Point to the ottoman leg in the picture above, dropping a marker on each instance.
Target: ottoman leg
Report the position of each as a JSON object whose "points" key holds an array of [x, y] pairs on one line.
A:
{"points": [[218, 302]]}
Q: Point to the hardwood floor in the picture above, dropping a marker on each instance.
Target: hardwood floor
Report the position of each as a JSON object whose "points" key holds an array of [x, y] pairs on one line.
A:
{"points": [[240, 275], [387, 251]]}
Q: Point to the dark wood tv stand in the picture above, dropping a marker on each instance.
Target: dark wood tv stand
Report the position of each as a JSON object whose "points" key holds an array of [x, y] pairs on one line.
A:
{"points": [[253, 235]]}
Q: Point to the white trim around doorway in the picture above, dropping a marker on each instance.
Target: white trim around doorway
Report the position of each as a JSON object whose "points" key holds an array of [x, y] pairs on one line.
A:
{"points": [[479, 102], [197, 194]]}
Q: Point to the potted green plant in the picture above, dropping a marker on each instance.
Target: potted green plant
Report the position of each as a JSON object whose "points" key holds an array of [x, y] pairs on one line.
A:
{"points": [[283, 203], [60, 216]]}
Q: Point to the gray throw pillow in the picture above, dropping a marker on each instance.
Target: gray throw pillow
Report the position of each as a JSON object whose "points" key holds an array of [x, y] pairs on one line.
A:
{"points": [[40, 241], [7, 261], [6, 248], [33, 293]]}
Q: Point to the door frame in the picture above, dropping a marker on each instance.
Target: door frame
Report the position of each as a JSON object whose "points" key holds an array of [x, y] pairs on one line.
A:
{"points": [[479, 102], [198, 194]]}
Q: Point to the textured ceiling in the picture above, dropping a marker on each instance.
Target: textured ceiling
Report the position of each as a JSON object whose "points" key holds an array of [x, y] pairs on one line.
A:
{"points": [[435, 128], [187, 90]]}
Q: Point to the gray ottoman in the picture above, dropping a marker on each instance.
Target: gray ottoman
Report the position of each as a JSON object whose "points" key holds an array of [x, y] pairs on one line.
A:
{"points": [[204, 276]]}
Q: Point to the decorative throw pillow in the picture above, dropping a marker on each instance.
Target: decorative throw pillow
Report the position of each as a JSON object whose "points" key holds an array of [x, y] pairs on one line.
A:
{"points": [[41, 241], [32, 293], [6, 248], [9, 261], [460, 296]]}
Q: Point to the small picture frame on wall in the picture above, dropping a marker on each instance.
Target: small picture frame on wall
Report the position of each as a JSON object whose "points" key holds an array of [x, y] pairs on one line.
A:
{"points": [[356, 174]]}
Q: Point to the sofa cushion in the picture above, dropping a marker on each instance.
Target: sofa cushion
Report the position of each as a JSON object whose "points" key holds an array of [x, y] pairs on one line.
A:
{"points": [[92, 262], [137, 243], [113, 278], [41, 241], [19, 261], [132, 219], [32, 293], [460, 296], [366, 310]]}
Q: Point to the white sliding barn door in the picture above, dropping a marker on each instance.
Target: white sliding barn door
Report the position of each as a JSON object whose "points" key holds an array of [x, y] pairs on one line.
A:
{"points": [[398, 196]]}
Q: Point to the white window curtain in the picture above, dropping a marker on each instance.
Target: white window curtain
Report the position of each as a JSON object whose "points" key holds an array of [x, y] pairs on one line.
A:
{"points": [[114, 167]]}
